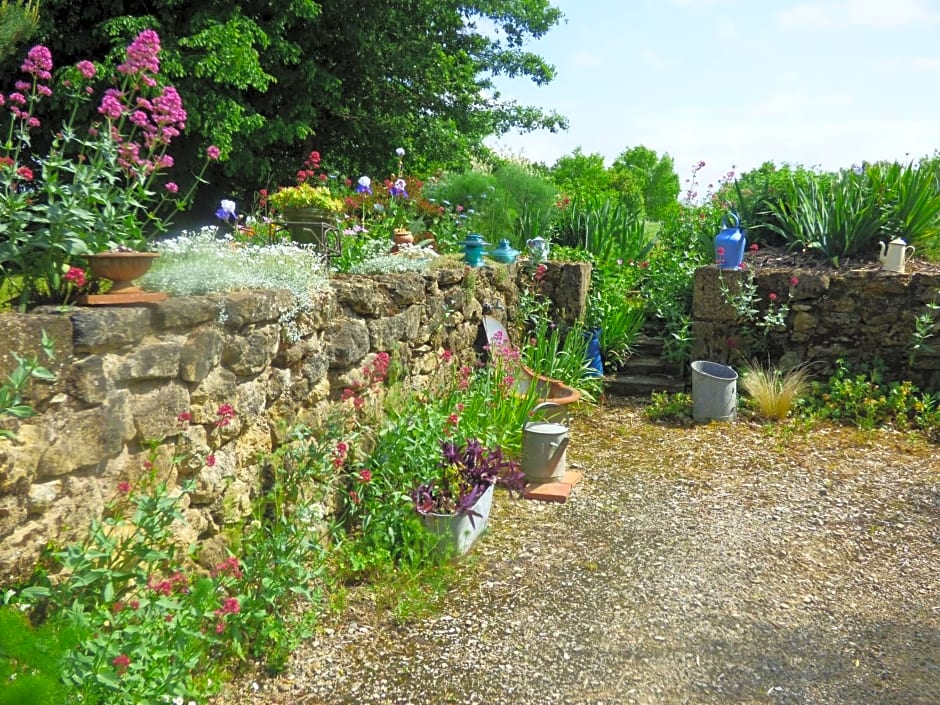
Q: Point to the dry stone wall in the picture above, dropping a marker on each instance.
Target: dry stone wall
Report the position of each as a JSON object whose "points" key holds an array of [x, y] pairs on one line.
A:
{"points": [[863, 317], [126, 373]]}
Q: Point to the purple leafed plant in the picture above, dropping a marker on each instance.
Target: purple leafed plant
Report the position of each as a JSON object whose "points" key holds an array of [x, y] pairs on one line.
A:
{"points": [[466, 472]]}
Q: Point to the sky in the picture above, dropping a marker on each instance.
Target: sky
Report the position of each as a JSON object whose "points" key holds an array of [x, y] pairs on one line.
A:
{"points": [[735, 83]]}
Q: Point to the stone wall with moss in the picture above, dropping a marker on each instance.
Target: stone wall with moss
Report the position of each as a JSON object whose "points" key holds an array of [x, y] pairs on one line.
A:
{"points": [[864, 317], [125, 373]]}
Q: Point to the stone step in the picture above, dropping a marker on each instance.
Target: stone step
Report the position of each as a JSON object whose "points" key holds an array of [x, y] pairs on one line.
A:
{"points": [[623, 385], [646, 364]]}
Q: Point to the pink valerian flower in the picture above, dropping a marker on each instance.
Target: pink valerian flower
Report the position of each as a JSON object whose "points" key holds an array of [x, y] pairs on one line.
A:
{"points": [[86, 69], [183, 418], [754, 247], [225, 414], [171, 187], [794, 281], [121, 662], [365, 476], [76, 275], [354, 497], [772, 297], [210, 460], [38, 63], [229, 606], [230, 566], [540, 272], [143, 57], [124, 487], [112, 106], [452, 420], [25, 173], [213, 152]]}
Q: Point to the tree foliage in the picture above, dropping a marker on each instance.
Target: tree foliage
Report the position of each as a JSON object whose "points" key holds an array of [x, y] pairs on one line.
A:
{"points": [[354, 79], [18, 21], [654, 176]]}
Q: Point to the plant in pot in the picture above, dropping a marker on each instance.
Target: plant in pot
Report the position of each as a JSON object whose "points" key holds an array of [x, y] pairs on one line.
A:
{"points": [[455, 503], [308, 209], [99, 188]]}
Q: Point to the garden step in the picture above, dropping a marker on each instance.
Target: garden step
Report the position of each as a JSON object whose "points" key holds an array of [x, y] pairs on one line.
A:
{"points": [[630, 385], [648, 345], [645, 364]]}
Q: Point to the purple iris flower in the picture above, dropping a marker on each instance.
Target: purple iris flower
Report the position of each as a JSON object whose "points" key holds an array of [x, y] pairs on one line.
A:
{"points": [[398, 188]]}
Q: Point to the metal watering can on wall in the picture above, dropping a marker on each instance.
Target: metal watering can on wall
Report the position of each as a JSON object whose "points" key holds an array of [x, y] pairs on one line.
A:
{"points": [[544, 444], [893, 260]]}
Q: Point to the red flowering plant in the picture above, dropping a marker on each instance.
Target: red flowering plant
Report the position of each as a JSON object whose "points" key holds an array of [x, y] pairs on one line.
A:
{"points": [[93, 188]]}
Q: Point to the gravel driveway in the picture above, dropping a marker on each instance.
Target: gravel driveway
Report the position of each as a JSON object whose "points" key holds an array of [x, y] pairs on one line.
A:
{"points": [[711, 564]]}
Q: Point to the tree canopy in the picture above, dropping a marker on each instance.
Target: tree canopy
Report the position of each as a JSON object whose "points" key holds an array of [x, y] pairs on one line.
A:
{"points": [[353, 79]]}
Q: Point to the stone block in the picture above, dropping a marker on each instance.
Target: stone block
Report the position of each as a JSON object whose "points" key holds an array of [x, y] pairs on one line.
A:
{"points": [[348, 342], [186, 312], [41, 496], [150, 361], [243, 308], [86, 439], [155, 408], [89, 380], [107, 329], [251, 351], [201, 352], [385, 333]]}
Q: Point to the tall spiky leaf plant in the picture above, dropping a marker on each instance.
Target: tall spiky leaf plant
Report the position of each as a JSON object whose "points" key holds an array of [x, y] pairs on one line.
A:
{"points": [[774, 391]]}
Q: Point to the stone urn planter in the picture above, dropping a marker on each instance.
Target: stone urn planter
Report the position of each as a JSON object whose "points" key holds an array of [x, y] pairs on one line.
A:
{"points": [[122, 268]]}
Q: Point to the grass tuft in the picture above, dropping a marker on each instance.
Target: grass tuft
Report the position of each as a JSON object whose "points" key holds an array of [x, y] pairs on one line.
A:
{"points": [[774, 391]]}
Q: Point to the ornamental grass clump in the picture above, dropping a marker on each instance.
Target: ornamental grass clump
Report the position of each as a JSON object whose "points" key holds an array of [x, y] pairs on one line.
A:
{"points": [[775, 392]]}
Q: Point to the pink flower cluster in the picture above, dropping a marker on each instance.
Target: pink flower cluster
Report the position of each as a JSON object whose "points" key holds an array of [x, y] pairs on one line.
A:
{"points": [[230, 566], [176, 583], [143, 58], [225, 414], [38, 64], [311, 166]]}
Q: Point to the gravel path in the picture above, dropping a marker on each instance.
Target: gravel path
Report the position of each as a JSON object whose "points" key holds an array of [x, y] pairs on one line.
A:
{"points": [[713, 564]]}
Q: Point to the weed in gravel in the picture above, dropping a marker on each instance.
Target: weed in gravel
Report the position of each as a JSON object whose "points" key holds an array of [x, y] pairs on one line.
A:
{"points": [[670, 408]]}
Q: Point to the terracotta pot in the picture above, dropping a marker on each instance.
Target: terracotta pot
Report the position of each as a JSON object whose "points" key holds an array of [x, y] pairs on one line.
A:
{"points": [[121, 268], [403, 237]]}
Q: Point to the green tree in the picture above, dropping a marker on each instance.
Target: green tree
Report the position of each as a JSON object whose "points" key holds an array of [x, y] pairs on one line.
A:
{"points": [[655, 176], [583, 175], [18, 22], [353, 79]]}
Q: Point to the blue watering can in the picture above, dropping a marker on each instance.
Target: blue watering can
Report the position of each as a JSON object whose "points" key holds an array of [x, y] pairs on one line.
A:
{"points": [[730, 243]]}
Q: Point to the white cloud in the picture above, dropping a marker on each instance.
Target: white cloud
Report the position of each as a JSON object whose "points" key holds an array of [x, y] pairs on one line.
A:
{"points": [[585, 59], [877, 14]]}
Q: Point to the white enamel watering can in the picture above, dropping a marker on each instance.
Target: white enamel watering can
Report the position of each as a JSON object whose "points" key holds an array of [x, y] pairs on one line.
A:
{"points": [[543, 446], [898, 252], [538, 248]]}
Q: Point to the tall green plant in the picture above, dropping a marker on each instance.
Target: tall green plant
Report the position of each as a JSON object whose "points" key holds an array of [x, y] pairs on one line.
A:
{"points": [[848, 215], [605, 228]]}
